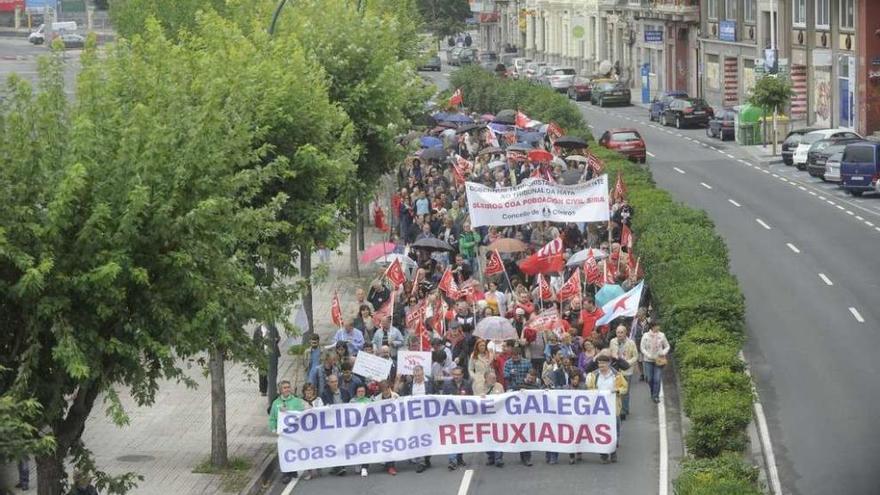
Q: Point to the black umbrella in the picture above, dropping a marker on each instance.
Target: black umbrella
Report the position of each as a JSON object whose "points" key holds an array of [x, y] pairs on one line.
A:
{"points": [[570, 142], [490, 150], [525, 148], [431, 244], [433, 154], [505, 117], [469, 128]]}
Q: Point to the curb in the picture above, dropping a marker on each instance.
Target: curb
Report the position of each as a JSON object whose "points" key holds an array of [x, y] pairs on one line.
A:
{"points": [[266, 472], [762, 450]]}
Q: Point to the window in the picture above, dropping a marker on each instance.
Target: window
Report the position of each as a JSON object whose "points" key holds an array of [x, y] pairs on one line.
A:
{"points": [[730, 10], [860, 154], [799, 13], [713, 9], [749, 8], [847, 16], [823, 14]]}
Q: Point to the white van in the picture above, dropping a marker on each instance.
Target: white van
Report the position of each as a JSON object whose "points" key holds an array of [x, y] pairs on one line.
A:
{"points": [[38, 37]]}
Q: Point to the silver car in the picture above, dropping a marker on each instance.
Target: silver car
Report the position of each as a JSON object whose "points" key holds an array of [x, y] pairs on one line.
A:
{"points": [[561, 78], [832, 167]]}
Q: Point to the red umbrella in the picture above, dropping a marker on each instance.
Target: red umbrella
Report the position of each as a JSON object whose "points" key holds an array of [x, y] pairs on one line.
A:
{"points": [[540, 156], [376, 251]]}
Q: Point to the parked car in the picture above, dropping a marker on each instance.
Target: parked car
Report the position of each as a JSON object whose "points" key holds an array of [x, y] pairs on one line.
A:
{"points": [[432, 63], [610, 92], [658, 106], [580, 88], [561, 78], [832, 167], [722, 124], [519, 67], [453, 54], [73, 40], [683, 112], [800, 153], [467, 56], [50, 32], [533, 68], [625, 141], [860, 167], [792, 139], [819, 153], [542, 77]]}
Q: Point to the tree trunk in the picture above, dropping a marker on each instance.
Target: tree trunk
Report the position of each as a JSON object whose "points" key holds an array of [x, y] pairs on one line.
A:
{"points": [[219, 456], [354, 268], [305, 270], [272, 368], [363, 208], [50, 473]]}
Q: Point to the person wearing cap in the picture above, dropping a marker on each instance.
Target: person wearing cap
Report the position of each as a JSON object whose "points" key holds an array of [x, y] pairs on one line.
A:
{"points": [[607, 379]]}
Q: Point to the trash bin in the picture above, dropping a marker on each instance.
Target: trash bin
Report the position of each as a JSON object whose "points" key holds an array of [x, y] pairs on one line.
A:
{"points": [[747, 125], [783, 125]]}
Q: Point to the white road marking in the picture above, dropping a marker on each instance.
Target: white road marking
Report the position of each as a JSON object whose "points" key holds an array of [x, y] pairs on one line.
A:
{"points": [[664, 457], [840, 207], [877, 229], [677, 134], [465, 482], [728, 155], [826, 279], [802, 188], [775, 175], [652, 155], [856, 314], [734, 203], [290, 486], [744, 162], [822, 198], [859, 218], [848, 212], [678, 170], [707, 186], [591, 127], [869, 224], [812, 193], [762, 223], [764, 434], [783, 179], [793, 247], [765, 171]]}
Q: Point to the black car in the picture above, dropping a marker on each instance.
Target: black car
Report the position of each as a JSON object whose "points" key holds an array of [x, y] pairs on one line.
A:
{"points": [[683, 112], [605, 93], [432, 63], [722, 125], [73, 40], [792, 140], [821, 150]]}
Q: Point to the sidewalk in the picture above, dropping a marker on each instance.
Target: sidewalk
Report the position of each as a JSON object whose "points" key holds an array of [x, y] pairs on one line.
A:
{"points": [[166, 441]]}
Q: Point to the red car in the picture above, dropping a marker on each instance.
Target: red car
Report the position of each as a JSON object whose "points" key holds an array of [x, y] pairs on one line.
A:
{"points": [[580, 89], [627, 142]]}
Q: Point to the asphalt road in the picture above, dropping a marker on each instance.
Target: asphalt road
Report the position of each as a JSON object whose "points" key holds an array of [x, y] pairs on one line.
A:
{"points": [[20, 57], [806, 256]]}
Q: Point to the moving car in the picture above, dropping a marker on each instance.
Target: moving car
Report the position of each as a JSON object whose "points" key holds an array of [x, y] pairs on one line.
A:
{"points": [[819, 153], [658, 106], [432, 63], [800, 153], [561, 78], [832, 167], [722, 125], [467, 56], [683, 112], [580, 89], [453, 54], [519, 67], [626, 141], [860, 167], [542, 76], [73, 40], [51, 31], [610, 92], [792, 139]]}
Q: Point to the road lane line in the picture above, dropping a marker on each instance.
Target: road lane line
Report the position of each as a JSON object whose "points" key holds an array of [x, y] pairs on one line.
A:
{"points": [[859, 218], [678, 170], [290, 486], [856, 314], [877, 229], [802, 188], [465, 482], [793, 247], [822, 198], [869, 224], [707, 186], [775, 175], [840, 207], [591, 127], [762, 223], [812, 193], [744, 162], [826, 279], [664, 458], [734, 203], [765, 171], [848, 212], [764, 434], [652, 155]]}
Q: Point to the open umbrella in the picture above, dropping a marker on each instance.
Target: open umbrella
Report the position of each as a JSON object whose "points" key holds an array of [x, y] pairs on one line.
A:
{"points": [[540, 156], [495, 328], [558, 161], [457, 118], [389, 258], [487, 117], [508, 245], [521, 147], [496, 164], [432, 244], [432, 154], [490, 150], [581, 256], [500, 128], [576, 158], [529, 137], [376, 251], [469, 128], [430, 142], [505, 117], [439, 116], [570, 142]]}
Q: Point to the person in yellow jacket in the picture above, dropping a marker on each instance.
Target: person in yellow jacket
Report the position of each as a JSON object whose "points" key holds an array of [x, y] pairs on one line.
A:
{"points": [[606, 378]]}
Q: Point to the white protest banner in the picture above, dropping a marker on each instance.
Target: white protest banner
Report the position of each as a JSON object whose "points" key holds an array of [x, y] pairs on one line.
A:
{"points": [[408, 427], [371, 366], [407, 360], [537, 200]]}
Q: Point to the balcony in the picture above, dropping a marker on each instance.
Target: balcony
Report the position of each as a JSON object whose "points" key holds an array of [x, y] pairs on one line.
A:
{"points": [[678, 10]]}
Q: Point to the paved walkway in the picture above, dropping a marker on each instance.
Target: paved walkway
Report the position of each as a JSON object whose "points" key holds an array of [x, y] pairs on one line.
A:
{"points": [[166, 441]]}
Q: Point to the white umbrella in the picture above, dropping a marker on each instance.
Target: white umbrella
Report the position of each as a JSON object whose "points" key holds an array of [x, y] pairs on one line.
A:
{"points": [[496, 164], [389, 258], [576, 158], [495, 328], [560, 162], [581, 256]]}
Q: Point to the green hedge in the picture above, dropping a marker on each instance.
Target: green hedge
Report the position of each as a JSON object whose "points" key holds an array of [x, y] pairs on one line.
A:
{"points": [[699, 301]]}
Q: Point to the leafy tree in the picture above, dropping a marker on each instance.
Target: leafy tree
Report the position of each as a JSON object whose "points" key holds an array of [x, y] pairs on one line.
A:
{"points": [[772, 94], [444, 18], [129, 16]]}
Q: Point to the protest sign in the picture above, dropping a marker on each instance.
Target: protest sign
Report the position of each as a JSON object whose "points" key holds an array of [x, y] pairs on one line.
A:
{"points": [[565, 421], [406, 360], [537, 200], [371, 366]]}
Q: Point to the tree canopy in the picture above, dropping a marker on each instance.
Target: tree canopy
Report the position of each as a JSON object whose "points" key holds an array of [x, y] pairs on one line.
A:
{"points": [[445, 17]]}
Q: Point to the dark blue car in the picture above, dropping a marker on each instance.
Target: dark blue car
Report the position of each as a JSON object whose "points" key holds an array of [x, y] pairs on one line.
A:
{"points": [[860, 167], [659, 105]]}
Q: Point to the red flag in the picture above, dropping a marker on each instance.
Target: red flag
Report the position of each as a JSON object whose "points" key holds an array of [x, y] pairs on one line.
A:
{"points": [[457, 98], [495, 265], [544, 290], [448, 286], [545, 260], [610, 271], [439, 315], [336, 310], [491, 137], [619, 189], [385, 310], [626, 238], [394, 273], [595, 163], [554, 132], [424, 336], [461, 168], [571, 288], [416, 315], [471, 293], [522, 120], [591, 270]]}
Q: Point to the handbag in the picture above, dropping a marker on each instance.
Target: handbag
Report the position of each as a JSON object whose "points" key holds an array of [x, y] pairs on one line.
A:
{"points": [[660, 361]]}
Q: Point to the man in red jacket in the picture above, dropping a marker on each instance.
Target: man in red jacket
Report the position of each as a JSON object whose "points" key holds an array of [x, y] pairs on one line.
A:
{"points": [[589, 314]]}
